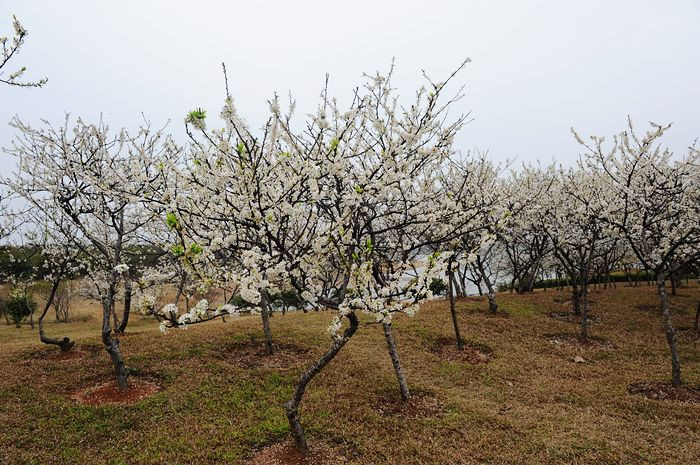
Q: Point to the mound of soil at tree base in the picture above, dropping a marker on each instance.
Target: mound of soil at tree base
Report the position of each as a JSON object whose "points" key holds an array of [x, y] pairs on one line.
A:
{"points": [[252, 353], [285, 453], [420, 405], [688, 333], [485, 311], [125, 334], [656, 308], [572, 340], [474, 353], [109, 393], [54, 354], [569, 300], [665, 391], [570, 317]]}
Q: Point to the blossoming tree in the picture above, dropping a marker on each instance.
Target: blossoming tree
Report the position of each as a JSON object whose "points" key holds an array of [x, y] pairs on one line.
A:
{"points": [[577, 233], [655, 205], [96, 181], [342, 212]]}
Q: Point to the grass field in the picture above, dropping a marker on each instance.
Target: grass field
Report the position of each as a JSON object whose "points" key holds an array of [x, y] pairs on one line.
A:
{"points": [[221, 400]]}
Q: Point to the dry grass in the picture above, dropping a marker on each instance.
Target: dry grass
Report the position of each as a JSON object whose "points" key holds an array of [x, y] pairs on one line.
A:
{"points": [[529, 404]]}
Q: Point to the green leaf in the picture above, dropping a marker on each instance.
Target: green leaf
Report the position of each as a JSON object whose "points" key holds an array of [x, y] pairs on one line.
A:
{"points": [[177, 250], [197, 114], [171, 220]]}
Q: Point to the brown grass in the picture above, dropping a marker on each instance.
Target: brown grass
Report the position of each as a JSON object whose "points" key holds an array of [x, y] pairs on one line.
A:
{"points": [[221, 401]]}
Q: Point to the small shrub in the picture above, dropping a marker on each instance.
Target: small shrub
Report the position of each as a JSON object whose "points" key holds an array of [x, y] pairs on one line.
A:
{"points": [[438, 286], [19, 306]]}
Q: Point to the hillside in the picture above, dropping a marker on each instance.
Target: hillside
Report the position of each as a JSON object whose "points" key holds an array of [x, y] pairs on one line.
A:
{"points": [[517, 397]]}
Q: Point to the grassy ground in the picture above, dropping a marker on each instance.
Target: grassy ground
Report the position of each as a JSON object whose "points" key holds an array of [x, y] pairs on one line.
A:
{"points": [[221, 401]]}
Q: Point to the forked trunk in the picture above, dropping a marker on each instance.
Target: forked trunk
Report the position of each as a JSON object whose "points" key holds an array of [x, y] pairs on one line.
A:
{"points": [[115, 318], [396, 361], [292, 406], [455, 323], [670, 332], [493, 306], [65, 344], [112, 344]]}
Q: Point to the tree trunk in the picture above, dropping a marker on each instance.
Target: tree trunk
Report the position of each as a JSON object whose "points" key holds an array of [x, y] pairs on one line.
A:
{"points": [[462, 288], [396, 361], [576, 299], [65, 344], [493, 306], [673, 279], [127, 308], [628, 276], [670, 332], [112, 344], [264, 312], [696, 324], [117, 323], [453, 312], [583, 337], [181, 288], [292, 406]]}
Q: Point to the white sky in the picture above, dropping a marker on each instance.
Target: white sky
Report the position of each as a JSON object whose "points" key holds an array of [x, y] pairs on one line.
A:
{"points": [[538, 67]]}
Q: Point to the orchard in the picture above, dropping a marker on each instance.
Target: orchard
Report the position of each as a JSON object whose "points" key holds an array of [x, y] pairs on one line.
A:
{"points": [[310, 252]]}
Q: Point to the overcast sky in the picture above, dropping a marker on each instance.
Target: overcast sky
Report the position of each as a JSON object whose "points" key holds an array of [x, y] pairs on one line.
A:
{"points": [[538, 67]]}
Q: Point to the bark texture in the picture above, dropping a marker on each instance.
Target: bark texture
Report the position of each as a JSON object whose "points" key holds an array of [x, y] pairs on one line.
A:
{"points": [[127, 307], [585, 306], [65, 344], [265, 314], [292, 406], [670, 331], [453, 312], [396, 361]]}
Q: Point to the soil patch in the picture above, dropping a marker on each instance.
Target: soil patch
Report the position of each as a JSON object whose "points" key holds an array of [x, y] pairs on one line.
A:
{"points": [[285, 453], [665, 391], [656, 308], [688, 333], [127, 334], [252, 353], [569, 300], [572, 340], [570, 317], [473, 352], [109, 394], [420, 405], [58, 356], [54, 354], [486, 312]]}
